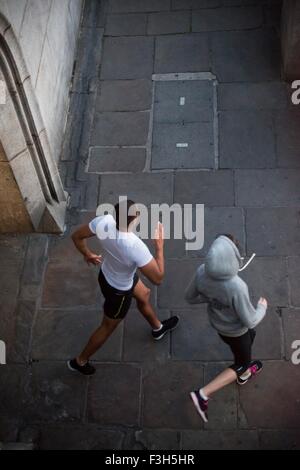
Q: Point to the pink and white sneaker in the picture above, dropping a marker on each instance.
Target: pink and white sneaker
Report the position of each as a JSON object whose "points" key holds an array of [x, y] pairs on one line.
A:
{"points": [[255, 368], [201, 405]]}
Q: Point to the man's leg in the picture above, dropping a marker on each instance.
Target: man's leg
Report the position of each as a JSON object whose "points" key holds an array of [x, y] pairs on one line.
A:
{"points": [[98, 338], [142, 295]]}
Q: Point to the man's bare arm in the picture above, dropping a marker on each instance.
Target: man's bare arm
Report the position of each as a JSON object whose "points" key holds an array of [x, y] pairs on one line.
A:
{"points": [[79, 238], [155, 270]]}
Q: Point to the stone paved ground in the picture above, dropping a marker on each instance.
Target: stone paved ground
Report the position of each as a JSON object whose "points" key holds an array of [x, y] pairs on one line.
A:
{"points": [[49, 298]]}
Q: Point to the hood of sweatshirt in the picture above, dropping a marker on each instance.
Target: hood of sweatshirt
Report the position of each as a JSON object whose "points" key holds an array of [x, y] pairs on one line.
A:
{"points": [[223, 260]]}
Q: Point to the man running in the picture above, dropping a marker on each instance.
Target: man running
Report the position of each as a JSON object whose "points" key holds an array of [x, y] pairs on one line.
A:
{"points": [[230, 312], [123, 254]]}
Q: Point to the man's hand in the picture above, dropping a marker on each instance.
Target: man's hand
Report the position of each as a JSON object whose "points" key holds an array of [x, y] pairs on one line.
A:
{"points": [[159, 237], [263, 301], [94, 259]]}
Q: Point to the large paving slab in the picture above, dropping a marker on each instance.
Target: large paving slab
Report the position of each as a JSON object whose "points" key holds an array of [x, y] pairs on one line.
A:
{"points": [[134, 24], [145, 188], [246, 56], [268, 342], [79, 437], [266, 95], [273, 231], [139, 345], [280, 440], [155, 439], [178, 53], [70, 285], [198, 150], [291, 324], [166, 401], [196, 340], [288, 138], [127, 57], [294, 279], [116, 159], [62, 334], [216, 440], [269, 391], [13, 386], [222, 413], [267, 277], [120, 128], [194, 4], [247, 139], [124, 95], [114, 395], [177, 278], [119, 6], [169, 23], [54, 394], [227, 19], [212, 188], [217, 220], [267, 188]]}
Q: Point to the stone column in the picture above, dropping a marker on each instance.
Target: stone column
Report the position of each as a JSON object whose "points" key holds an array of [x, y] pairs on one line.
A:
{"points": [[290, 39]]}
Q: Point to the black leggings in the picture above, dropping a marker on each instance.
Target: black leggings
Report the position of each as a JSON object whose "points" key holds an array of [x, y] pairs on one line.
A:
{"points": [[241, 347]]}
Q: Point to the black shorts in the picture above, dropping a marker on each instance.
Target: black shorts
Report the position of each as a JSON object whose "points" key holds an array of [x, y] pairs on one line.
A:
{"points": [[241, 347], [117, 302]]}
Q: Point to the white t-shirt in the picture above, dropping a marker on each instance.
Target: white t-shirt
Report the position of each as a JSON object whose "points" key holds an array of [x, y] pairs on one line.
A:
{"points": [[123, 253]]}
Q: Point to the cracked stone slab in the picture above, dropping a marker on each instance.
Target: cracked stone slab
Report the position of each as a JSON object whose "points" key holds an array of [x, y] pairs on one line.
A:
{"points": [[134, 24], [267, 188], [69, 285], [54, 394], [118, 160], [145, 188], [247, 139], [62, 334], [188, 53], [227, 19], [212, 188], [294, 279], [216, 440], [174, 381], [124, 95], [267, 277], [246, 56], [139, 345], [168, 23], [120, 128], [269, 391], [127, 58], [273, 231], [119, 6], [260, 96], [196, 340], [107, 390], [79, 437]]}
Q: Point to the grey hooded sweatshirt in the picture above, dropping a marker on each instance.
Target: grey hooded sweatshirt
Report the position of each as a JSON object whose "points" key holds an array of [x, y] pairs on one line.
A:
{"points": [[217, 283]]}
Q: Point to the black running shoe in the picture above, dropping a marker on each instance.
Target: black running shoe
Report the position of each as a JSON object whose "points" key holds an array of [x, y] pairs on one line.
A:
{"points": [[87, 369], [201, 405], [255, 368], [167, 325]]}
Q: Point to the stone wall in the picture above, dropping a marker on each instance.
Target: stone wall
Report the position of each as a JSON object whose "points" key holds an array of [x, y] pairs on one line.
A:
{"points": [[13, 215], [47, 31], [290, 39]]}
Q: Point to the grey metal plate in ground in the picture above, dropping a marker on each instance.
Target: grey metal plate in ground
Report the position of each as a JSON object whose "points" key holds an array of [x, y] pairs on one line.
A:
{"points": [[187, 145], [183, 124], [188, 101]]}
